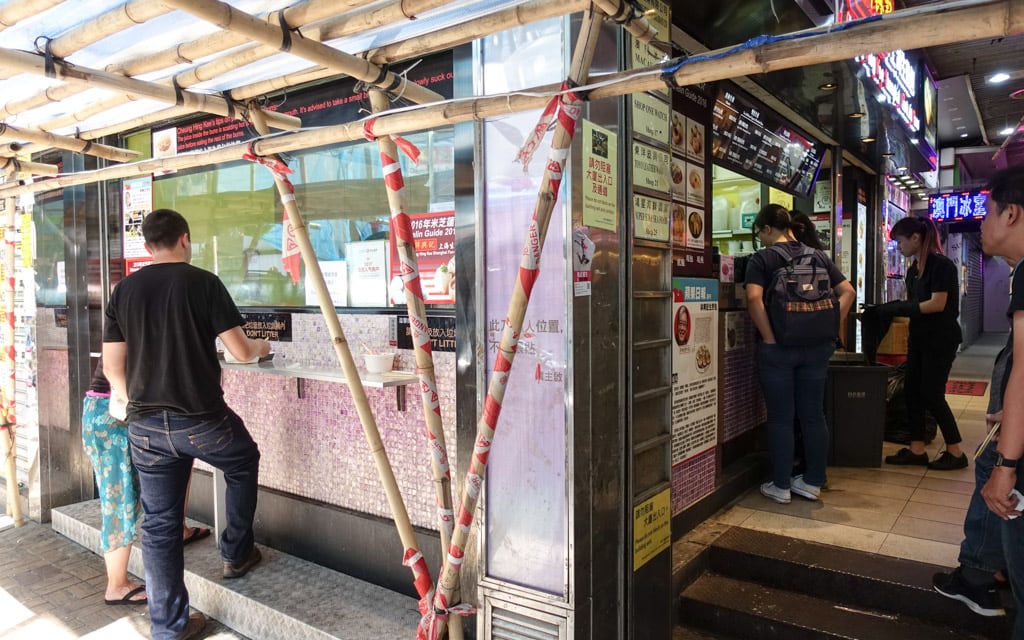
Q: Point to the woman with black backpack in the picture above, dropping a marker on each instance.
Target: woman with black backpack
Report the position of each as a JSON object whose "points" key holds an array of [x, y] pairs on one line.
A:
{"points": [[795, 297], [933, 305]]}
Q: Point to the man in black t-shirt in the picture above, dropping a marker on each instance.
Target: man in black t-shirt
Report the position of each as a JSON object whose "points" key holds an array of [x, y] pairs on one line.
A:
{"points": [[159, 352], [1003, 234]]}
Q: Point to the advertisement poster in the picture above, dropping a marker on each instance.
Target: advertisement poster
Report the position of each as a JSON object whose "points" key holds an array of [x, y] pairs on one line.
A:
{"points": [[691, 183], [650, 168], [367, 266], [335, 277], [650, 218], [600, 176], [434, 237], [137, 199], [694, 369], [650, 117]]}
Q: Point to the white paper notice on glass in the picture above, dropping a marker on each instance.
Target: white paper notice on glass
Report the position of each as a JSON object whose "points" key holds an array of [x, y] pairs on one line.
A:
{"points": [[336, 278], [367, 273]]}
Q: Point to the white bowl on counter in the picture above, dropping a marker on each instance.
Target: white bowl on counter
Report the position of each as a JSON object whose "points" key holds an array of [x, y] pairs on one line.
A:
{"points": [[379, 363]]}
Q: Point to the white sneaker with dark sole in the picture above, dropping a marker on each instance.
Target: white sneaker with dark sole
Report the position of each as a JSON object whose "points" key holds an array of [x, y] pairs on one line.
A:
{"points": [[804, 490], [770, 491]]}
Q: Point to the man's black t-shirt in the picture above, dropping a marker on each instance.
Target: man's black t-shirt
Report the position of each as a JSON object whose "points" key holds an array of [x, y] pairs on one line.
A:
{"points": [[1016, 304], [940, 276], [169, 316]]}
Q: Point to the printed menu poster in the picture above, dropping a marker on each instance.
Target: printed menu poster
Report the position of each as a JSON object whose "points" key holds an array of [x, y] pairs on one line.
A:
{"points": [[650, 168], [694, 370], [434, 238], [650, 117], [643, 55], [367, 265], [137, 202], [600, 175], [650, 218], [690, 182]]}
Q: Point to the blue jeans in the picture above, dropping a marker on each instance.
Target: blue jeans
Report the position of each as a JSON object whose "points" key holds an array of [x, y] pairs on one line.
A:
{"points": [[163, 448], [793, 381], [981, 552], [1013, 548]]}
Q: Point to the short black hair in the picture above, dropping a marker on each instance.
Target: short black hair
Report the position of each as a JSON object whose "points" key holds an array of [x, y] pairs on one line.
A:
{"points": [[1006, 186], [163, 227]]}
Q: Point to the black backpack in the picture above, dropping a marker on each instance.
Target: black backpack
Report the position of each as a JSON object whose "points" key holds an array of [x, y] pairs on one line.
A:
{"points": [[802, 307]]}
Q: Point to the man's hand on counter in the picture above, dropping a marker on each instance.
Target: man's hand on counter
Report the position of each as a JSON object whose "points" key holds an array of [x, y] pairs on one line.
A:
{"points": [[242, 347]]}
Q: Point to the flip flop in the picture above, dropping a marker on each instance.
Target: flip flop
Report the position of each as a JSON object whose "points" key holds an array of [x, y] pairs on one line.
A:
{"points": [[127, 599], [195, 533]]}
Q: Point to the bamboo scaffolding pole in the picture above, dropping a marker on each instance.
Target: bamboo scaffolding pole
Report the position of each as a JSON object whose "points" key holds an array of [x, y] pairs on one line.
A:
{"points": [[401, 227], [17, 10], [34, 63], [7, 431], [227, 17], [413, 558], [632, 18], [527, 13], [106, 24], [565, 110], [9, 132], [11, 166], [914, 30]]}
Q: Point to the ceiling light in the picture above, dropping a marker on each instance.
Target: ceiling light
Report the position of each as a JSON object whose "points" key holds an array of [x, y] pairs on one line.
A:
{"points": [[887, 154], [867, 139], [856, 114], [901, 169], [914, 141], [996, 78], [1008, 131], [828, 86], [963, 135]]}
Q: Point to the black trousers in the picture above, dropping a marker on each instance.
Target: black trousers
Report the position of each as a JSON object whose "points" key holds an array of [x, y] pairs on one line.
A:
{"points": [[925, 389]]}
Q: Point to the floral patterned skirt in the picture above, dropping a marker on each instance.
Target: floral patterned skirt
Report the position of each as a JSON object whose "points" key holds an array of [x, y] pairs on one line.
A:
{"points": [[106, 444]]}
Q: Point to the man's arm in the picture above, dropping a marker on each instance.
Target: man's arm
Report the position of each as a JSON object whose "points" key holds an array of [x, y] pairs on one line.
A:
{"points": [[847, 295], [1011, 434], [242, 347], [115, 358], [755, 307]]}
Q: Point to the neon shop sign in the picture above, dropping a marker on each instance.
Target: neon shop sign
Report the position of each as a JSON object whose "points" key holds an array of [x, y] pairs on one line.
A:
{"points": [[892, 73], [952, 207]]}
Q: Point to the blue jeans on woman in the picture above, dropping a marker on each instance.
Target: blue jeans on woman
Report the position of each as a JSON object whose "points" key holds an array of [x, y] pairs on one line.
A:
{"points": [[163, 448], [793, 382]]}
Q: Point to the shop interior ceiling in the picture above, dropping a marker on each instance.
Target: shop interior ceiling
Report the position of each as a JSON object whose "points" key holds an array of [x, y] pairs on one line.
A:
{"points": [[972, 112], [149, 28]]}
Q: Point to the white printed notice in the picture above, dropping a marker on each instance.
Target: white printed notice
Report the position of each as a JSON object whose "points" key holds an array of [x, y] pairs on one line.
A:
{"points": [[367, 273], [694, 367], [336, 279]]}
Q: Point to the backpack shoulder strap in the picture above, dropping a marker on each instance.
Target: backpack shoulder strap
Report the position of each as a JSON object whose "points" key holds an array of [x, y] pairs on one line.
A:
{"points": [[782, 252]]}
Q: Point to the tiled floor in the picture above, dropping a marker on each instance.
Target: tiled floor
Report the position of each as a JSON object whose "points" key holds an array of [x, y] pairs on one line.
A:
{"points": [[906, 512]]}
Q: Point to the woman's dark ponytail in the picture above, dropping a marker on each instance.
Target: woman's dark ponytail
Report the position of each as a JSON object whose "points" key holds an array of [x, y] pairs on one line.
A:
{"points": [[775, 216], [923, 227]]}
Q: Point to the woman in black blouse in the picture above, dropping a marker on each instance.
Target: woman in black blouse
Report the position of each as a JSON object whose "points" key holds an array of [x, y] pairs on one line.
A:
{"points": [[933, 305]]}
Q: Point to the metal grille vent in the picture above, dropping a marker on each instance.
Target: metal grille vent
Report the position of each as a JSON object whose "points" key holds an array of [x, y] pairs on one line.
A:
{"points": [[506, 625]]}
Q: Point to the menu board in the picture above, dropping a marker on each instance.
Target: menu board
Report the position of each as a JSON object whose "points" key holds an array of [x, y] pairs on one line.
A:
{"points": [[754, 141], [690, 183]]}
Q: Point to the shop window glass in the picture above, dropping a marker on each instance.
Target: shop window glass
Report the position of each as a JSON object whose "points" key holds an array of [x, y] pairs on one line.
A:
{"points": [[48, 220], [235, 215]]}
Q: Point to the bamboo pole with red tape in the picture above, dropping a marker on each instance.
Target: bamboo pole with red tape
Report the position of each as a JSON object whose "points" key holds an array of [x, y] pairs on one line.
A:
{"points": [[565, 110], [7, 388], [401, 231], [412, 558]]}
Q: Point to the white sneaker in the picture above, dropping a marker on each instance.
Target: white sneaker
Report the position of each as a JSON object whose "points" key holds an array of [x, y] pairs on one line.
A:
{"points": [[770, 491], [804, 490]]}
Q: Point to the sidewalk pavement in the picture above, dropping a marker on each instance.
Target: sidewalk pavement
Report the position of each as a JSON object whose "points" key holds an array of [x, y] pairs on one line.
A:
{"points": [[52, 589]]}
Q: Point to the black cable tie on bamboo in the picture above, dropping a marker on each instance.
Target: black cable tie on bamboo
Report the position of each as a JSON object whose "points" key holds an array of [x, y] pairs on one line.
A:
{"points": [[574, 92], [381, 77], [226, 94], [49, 61], [179, 93], [624, 13], [88, 145], [286, 32]]}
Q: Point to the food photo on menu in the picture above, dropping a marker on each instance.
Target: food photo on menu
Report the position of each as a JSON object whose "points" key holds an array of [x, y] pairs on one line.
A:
{"points": [[694, 184], [678, 184], [694, 139], [678, 129], [695, 229], [679, 225]]}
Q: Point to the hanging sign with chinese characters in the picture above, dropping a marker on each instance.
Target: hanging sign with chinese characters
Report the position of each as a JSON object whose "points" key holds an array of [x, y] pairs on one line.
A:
{"points": [[953, 207]]}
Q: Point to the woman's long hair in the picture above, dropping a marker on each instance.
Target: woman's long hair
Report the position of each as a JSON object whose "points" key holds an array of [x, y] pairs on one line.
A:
{"points": [[923, 227], [804, 230]]}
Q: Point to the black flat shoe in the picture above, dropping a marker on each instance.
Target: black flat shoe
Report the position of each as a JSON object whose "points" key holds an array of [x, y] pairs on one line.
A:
{"points": [[907, 457], [948, 462]]}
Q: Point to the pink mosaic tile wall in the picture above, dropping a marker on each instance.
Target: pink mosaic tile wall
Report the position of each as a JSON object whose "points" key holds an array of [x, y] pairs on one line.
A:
{"points": [[740, 401], [693, 479], [314, 446]]}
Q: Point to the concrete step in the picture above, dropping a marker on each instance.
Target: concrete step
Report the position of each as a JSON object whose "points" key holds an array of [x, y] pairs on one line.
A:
{"points": [[743, 609], [283, 598], [853, 578]]}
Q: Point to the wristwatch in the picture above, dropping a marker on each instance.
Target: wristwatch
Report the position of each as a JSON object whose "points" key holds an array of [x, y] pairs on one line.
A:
{"points": [[1005, 462]]}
